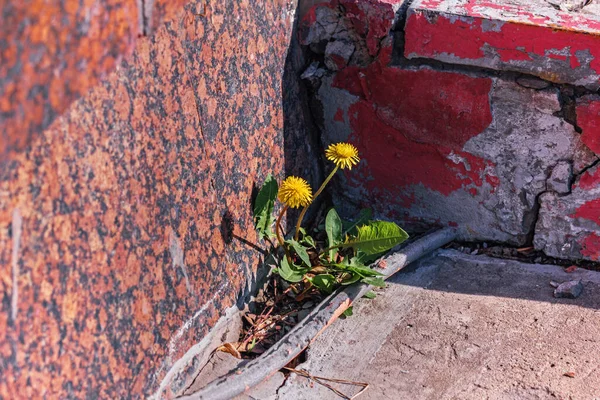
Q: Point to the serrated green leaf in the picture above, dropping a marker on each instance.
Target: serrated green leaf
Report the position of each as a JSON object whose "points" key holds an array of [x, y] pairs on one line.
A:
{"points": [[291, 273], [370, 295], [333, 227], [324, 282], [363, 217], [348, 312], [300, 250], [376, 237], [374, 281], [263, 207]]}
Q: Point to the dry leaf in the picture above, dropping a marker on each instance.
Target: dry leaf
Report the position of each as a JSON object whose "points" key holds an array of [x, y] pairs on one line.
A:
{"points": [[231, 349], [525, 249]]}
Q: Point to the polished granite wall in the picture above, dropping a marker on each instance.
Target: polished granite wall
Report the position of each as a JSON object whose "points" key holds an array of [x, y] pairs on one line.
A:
{"points": [[123, 221]]}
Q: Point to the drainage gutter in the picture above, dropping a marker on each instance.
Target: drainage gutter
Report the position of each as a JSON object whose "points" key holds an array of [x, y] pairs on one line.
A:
{"points": [[303, 334]]}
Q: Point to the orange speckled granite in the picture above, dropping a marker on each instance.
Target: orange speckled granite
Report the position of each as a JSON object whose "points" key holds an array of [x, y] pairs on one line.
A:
{"points": [[157, 11], [51, 53], [118, 223]]}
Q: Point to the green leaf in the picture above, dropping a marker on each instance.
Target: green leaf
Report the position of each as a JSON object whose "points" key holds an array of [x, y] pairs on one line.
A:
{"points": [[370, 295], [374, 281], [363, 217], [308, 241], [263, 207], [352, 278], [366, 259], [251, 346], [365, 271], [377, 237], [333, 227], [300, 250], [324, 282], [348, 312], [290, 273]]}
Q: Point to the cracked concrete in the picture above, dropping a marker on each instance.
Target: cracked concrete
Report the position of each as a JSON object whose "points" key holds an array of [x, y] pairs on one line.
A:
{"points": [[464, 327], [455, 326]]}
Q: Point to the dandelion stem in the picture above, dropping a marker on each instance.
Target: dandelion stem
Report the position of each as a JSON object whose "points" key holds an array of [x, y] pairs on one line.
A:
{"points": [[278, 230], [278, 225], [301, 217]]}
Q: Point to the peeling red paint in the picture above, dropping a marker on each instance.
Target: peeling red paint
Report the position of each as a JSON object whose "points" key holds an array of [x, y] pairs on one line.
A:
{"points": [[590, 246], [405, 164], [371, 18], [589, 211], [589, 179], [588, 119], [409, 116], [469, 38], [494, 181], [520, 13], [427, 106]]}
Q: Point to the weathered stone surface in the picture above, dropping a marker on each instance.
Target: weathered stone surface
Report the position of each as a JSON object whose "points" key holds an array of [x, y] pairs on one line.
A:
{"points": [[337, 54], [560, 178], [447, 148], [569, 290], [524, 35], [567, 226], [532, 83], [588, 119], [362, 23], [123, 225], [442, 146]]}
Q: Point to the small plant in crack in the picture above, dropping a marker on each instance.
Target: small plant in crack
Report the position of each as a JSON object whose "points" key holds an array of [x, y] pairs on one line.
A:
{"points": [[337, 254], [308, 265]]}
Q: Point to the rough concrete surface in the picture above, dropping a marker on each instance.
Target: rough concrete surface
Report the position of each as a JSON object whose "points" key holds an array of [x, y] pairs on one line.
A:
{"points": [[489, 143], [567, 225], [464, 327]]}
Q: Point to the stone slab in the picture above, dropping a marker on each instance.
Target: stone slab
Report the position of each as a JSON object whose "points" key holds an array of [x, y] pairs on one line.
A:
{"points": [[534, 37], [466, 327]]}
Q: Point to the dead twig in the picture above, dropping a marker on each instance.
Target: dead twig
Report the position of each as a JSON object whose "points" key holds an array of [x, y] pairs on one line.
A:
{"points": [[321, 380]]}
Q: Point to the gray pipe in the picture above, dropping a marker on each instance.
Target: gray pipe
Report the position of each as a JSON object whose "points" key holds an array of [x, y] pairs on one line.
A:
{"points": [[292, 344]]}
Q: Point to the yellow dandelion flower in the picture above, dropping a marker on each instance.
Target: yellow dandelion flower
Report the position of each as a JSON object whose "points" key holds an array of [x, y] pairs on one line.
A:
{"points": [[344, 155], [295, 192]]}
